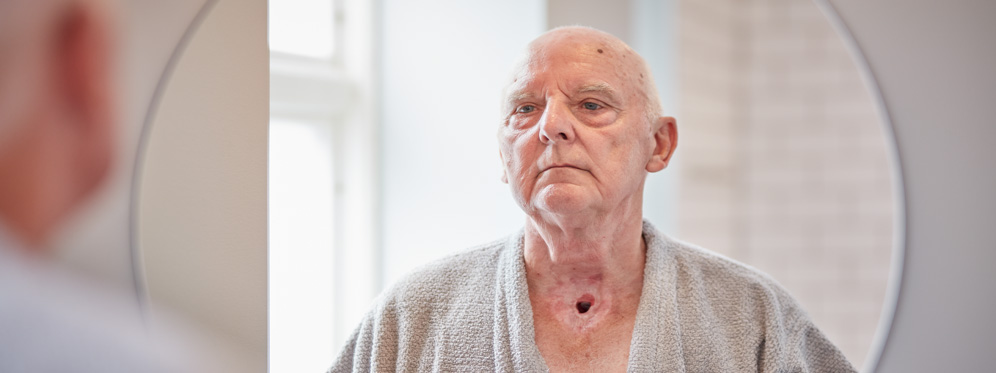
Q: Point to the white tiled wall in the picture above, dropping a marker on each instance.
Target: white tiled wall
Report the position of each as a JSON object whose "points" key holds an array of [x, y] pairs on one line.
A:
{"points": [[784, 160]]}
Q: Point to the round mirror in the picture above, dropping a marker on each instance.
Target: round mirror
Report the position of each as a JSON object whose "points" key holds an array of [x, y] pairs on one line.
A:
{"points": [[387, 128], [199, 218], [785, 162]]}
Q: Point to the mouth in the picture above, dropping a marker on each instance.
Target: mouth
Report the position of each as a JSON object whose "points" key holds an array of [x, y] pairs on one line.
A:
{"points": [[562, 166]]}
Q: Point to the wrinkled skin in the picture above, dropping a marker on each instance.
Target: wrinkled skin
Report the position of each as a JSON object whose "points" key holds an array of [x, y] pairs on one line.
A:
{"points": [[577, 137], [582, 129]]}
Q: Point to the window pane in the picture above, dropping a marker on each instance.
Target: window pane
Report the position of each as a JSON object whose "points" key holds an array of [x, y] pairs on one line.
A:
{"points": [[302, 27], [300, 254]]}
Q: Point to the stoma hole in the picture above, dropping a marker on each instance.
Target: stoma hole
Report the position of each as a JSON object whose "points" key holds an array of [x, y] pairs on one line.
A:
{"points": [[583, 307]]}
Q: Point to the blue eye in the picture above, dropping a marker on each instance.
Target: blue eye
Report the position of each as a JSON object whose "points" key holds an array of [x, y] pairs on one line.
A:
{"points": [[526, 109], [591, 106]]}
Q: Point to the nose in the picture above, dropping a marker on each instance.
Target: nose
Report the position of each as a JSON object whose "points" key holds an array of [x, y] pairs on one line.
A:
{"points": [[557, 124]]}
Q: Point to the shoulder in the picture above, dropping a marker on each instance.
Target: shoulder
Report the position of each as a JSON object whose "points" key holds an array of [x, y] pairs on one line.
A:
{"points": [[724, 299], [470, 270], [733, 290], [698, 267], [446, 289], [445, 305], [722, 271], [745, 288]]}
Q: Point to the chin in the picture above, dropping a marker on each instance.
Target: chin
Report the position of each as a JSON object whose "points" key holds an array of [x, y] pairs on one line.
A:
{"points": [[562, 199]]}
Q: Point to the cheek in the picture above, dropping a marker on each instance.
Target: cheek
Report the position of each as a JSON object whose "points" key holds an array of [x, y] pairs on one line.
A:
{"points": [[517, 165], [597, 119], [631, 152], [515, 155]]}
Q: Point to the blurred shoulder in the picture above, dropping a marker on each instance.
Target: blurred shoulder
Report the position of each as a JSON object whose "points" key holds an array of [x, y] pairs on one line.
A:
{"points": [[57, 320]]}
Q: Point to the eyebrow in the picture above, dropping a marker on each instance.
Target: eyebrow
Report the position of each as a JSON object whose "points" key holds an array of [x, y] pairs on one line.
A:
{"points": [[519, 96], [600, 87]]}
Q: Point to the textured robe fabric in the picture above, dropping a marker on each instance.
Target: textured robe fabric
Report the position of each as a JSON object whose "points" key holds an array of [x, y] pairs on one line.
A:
{"points": [[699, 312]]}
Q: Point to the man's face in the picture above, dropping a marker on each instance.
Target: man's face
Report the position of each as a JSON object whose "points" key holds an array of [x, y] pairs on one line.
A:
{"points": [[577, 136]]}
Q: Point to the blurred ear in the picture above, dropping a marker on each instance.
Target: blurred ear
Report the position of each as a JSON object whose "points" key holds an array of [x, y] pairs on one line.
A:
{"points": [[83, 64], [665, 140]]}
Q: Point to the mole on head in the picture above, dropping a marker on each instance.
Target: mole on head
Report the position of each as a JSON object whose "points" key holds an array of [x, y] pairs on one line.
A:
{"points": [[600, 50]]}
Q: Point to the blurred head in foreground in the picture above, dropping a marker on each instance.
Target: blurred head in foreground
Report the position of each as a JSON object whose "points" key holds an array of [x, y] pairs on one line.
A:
{"points": [[56, 112], [57, 137]]}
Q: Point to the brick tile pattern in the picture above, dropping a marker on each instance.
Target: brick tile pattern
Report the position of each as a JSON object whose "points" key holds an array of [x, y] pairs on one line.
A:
{"points": [[783, 158]]}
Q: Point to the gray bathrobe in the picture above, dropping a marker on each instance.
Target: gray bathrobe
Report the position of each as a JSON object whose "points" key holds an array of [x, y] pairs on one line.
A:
{"points": [[699, 312]]}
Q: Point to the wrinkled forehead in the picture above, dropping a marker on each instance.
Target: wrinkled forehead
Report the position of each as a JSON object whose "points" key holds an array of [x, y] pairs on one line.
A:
{"points": [[578, 39], [578, 60]]}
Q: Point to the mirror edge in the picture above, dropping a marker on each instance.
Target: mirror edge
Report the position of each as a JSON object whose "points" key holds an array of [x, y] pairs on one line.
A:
{"points": [[899, 236], [141, 151]]}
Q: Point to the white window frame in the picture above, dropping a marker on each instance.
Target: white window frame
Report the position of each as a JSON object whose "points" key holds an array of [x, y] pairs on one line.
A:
{"points": [[341, 92]]}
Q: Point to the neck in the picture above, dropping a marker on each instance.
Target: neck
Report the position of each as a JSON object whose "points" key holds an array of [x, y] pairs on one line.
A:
{"points": [[580, 273]]}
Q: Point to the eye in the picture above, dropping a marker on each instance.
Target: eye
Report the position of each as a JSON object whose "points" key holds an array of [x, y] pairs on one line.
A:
{"points": [[526, 109], [591, 106]]}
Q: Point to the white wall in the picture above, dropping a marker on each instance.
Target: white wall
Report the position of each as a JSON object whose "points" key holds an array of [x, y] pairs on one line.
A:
{"points": [[202, 208], [654, 33], [444, 63], [933, 62]]}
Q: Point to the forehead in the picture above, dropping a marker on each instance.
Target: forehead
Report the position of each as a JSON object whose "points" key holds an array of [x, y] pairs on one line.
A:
{"points": [[576, 63]]}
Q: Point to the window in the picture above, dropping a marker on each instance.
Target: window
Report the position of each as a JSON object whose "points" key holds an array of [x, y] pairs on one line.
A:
{"points": [[319, 109]]}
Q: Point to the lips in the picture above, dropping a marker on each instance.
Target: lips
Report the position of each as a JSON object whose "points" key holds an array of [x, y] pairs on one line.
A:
{"points": [[562, 165], [565, 166]]}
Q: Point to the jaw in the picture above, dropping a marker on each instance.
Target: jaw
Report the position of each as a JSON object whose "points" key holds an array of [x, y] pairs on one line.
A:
{"points": [[563, 199], [573, 208]]}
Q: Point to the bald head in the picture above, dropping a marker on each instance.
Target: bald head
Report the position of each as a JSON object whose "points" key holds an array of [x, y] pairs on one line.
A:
{"points": [[592, 43], [582, 127]]}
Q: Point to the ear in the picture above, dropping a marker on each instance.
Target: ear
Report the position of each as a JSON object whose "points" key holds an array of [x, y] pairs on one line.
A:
{"points": [[665, 141], [84, 64], [504, 175]]}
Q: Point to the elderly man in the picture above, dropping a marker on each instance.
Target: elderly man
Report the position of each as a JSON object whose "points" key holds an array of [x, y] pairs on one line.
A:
{"points": [[587, 285]]}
